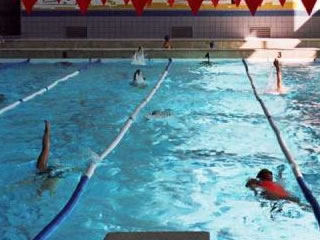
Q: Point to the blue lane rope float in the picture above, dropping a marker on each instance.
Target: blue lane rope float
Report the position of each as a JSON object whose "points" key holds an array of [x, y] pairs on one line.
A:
{"points": [[65, 212], [43, 90], [293, 164]]}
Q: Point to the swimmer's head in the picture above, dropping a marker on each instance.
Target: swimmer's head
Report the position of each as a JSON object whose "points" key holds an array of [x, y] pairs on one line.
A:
{"points": [[2, 97], [155, 112], [138, 71], [167, 37], [265, 175]]}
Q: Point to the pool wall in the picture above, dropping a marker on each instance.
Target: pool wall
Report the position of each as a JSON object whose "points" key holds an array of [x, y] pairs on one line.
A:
{"points": [[116, 20], [182, 48], [156, 24]]}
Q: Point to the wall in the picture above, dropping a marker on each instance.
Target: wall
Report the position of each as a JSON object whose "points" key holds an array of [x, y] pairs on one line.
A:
{"points": [[227, 21]]}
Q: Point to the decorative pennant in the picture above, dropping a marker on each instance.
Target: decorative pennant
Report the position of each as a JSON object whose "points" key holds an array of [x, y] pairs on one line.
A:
{"points": [[253, 5], [215, 2], [149, 2], [83, 5], [28, 5], [195, 6], [126, 2], [59, 1], [171, 2], [282, 2], [104, 2], [237, 2], [139, 5], [309, 4]]}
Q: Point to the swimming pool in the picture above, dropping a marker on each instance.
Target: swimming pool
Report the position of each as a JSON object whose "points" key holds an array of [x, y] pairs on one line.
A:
{"points": [[185, 172]]}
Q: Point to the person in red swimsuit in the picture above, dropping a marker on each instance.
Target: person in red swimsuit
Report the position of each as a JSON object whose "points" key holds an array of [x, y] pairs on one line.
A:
{"points": [[269, 189]]}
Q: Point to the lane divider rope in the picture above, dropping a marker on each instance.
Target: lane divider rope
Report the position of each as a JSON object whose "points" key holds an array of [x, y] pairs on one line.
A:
{"points": [[43, 90], [292, 162]]}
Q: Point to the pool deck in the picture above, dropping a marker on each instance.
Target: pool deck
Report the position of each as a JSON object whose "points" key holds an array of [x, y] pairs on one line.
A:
{"points": [[182, 48]]}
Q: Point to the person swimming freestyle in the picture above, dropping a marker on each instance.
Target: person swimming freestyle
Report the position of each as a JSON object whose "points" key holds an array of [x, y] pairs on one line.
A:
{"points": [[268, 189]]}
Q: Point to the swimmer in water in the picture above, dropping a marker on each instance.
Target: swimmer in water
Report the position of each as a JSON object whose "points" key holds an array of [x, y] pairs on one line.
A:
{"points": [[264, 185], [157, 114], [208, 62], [138, 57], [42, 163], [138, 79], [2, 98], [276, 64], [49, 174], [66, 64], [49, 181]]}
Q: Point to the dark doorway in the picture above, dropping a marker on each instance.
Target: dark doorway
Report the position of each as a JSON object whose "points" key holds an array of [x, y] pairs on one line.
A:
{"points": [[10, 15]]}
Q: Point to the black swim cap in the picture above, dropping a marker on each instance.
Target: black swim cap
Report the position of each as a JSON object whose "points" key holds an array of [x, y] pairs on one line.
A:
{"points": [[265, 174]]}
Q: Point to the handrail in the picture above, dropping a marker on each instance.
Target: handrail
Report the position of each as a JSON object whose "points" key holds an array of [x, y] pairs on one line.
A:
{"points": [[293, 164]]}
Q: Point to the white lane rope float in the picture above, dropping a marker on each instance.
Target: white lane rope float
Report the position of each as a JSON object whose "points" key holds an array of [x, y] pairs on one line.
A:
{"points": [[43, 90]]}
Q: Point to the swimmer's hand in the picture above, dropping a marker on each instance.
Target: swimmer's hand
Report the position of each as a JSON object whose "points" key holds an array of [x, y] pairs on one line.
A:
{"points": [[252, 183]]}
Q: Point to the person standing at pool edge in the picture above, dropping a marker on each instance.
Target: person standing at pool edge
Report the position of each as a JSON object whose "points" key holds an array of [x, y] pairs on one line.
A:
{"points": [[167, 42], [42, 162]]}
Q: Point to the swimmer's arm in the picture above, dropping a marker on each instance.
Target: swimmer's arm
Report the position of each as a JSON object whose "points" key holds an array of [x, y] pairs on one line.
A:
{"points": [[252, 185], [272, 196], [305, 207]]}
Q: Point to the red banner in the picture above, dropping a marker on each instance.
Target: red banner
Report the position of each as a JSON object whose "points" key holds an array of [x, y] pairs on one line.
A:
{"points": [[253, 5], [309, 4], [171, 2], [237, 2], [282, 2], [195, 6], [104, 2], [28, 4], [215, 2], [83, 5], [139, 6]]}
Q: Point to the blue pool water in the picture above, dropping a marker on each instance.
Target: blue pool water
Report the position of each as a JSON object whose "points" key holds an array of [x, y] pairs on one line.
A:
{"points": [[183, 173]]}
